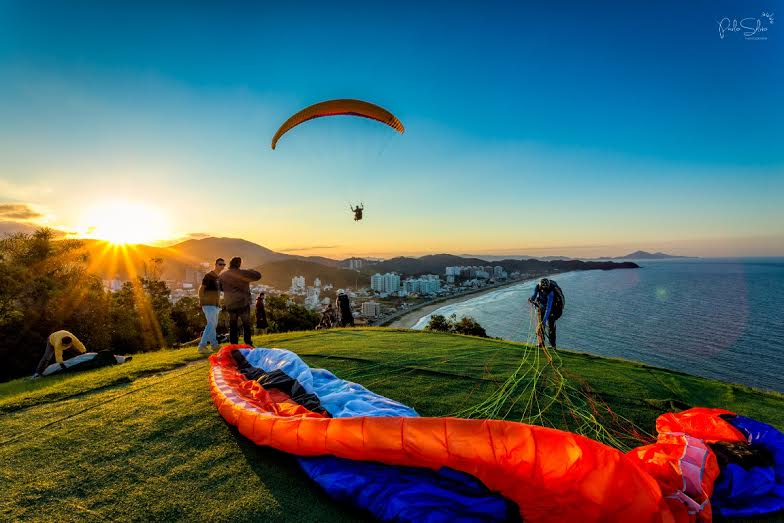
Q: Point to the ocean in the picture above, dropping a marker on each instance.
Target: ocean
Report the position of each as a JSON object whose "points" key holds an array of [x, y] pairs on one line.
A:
{"points": [[717, 318]]}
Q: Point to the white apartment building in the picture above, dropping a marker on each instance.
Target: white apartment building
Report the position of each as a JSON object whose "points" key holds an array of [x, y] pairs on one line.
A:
{"points": [[312, 298], [426, 284], [388, 283], [298, 285], [371, 309]]}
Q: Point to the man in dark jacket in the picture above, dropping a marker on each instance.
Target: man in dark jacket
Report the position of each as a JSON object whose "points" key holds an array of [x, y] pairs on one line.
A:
{"points": [[549, 299], [236, 297], [209, 299]]}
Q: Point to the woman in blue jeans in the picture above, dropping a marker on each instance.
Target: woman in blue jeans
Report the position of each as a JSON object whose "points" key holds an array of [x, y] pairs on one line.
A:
{"points": [[209, 299]]}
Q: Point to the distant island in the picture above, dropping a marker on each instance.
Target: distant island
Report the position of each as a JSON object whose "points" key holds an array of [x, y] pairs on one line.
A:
{"points": [[644, 255]]}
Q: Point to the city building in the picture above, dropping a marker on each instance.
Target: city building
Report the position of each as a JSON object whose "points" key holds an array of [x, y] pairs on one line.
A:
{"points": [[356, 263], [453, 271], [377, 282], [371, 309], [194, 275], [298, 285], [391, 282], [114, 285], [426, 284], [313, 298], [385, 283]]}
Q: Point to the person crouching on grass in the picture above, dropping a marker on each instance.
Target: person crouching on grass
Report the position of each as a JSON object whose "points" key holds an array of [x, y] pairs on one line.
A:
{"points": [[57, 343]]}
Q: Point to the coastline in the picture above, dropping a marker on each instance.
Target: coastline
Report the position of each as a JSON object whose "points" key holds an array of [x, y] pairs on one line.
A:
{"points": [[412, 316]]}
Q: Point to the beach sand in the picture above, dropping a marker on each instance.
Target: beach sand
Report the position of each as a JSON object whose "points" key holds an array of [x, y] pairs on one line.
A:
{"points": [[410, 319]]}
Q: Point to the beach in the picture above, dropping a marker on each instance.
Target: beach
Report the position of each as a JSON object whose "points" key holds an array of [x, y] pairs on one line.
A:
{"points": [[410, 318]]}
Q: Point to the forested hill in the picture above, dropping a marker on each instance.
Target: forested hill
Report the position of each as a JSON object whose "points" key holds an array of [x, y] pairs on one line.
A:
{"points": [[436, 263], [279, 274]]}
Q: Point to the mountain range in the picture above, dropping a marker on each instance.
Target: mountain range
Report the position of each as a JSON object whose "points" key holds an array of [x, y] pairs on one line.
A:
{"points": [[125, 262]]}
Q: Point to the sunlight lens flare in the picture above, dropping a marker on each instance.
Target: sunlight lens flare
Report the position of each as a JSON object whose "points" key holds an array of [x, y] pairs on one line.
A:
{"points": [[123, 222]]}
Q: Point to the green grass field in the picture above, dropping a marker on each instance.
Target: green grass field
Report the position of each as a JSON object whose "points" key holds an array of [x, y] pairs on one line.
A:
{"points": [[143, 441]]}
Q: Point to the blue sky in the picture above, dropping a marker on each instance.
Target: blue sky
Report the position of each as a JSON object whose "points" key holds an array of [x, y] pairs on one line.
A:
{"points": [[530, 127]]}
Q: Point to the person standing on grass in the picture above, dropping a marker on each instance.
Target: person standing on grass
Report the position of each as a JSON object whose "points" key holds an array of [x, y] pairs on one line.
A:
{"points": [[261, 314], [209, 299], [344, 309], [548, 298], [57, 343], [236, 297]]}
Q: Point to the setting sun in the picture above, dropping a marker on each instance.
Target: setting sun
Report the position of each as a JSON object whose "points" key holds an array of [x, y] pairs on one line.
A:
{"points": [[122, 222]]}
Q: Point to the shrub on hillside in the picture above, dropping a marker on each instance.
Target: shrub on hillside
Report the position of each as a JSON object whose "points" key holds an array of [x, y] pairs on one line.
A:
{"points": [[466, 325], [188, 318], [284, 315]]}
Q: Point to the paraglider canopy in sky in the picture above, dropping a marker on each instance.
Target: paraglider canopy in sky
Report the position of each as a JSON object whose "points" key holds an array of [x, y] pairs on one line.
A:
{"points": [[343, 107]]}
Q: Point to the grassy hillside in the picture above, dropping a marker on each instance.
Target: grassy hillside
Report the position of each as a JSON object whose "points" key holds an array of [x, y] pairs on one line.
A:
{"points": [[143, 441]]}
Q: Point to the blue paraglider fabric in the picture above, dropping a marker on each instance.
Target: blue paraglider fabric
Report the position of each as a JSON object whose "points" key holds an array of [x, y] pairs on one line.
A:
{"points": [[758, 490], [388, 492], [408, 494]]}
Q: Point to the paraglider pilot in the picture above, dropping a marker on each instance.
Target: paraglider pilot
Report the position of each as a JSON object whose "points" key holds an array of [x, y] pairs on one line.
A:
{"points": [[548, 298], [357, 211]]}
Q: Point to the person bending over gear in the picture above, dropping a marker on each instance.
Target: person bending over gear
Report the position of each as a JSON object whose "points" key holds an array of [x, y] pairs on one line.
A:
{"points": [[56, 344], [327, 317], [235, 283], [357, 211], [344, 308], [548, 298]]}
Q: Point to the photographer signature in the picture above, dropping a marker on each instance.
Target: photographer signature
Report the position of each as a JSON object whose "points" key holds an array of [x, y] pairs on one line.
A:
{"points": [[753, 28]]}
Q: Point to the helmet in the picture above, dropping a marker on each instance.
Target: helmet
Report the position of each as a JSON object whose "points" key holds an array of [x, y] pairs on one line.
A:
{"points": [[341, 291], [544, 283]]}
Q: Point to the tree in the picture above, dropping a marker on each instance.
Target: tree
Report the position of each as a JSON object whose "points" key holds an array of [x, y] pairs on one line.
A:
{"points": [[189, 321], [466, 325], [439, 323], [284, 315], [470, 327], [157, 313], [126, 326]]}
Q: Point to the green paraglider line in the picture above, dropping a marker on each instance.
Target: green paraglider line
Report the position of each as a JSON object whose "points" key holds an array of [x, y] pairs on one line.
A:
{"points": [[537, 392], [539, 384]]}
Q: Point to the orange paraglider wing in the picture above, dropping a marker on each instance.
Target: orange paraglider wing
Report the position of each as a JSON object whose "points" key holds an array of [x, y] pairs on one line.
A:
{"points": [[345, 107], [552, 475]]}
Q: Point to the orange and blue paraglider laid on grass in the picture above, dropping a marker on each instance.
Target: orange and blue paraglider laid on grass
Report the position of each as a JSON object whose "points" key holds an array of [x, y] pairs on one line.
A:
{"points": [[381, 456]]}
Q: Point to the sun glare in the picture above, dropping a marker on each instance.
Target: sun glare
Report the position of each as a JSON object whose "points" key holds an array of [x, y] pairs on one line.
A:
{"points": [[123, 222]]}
